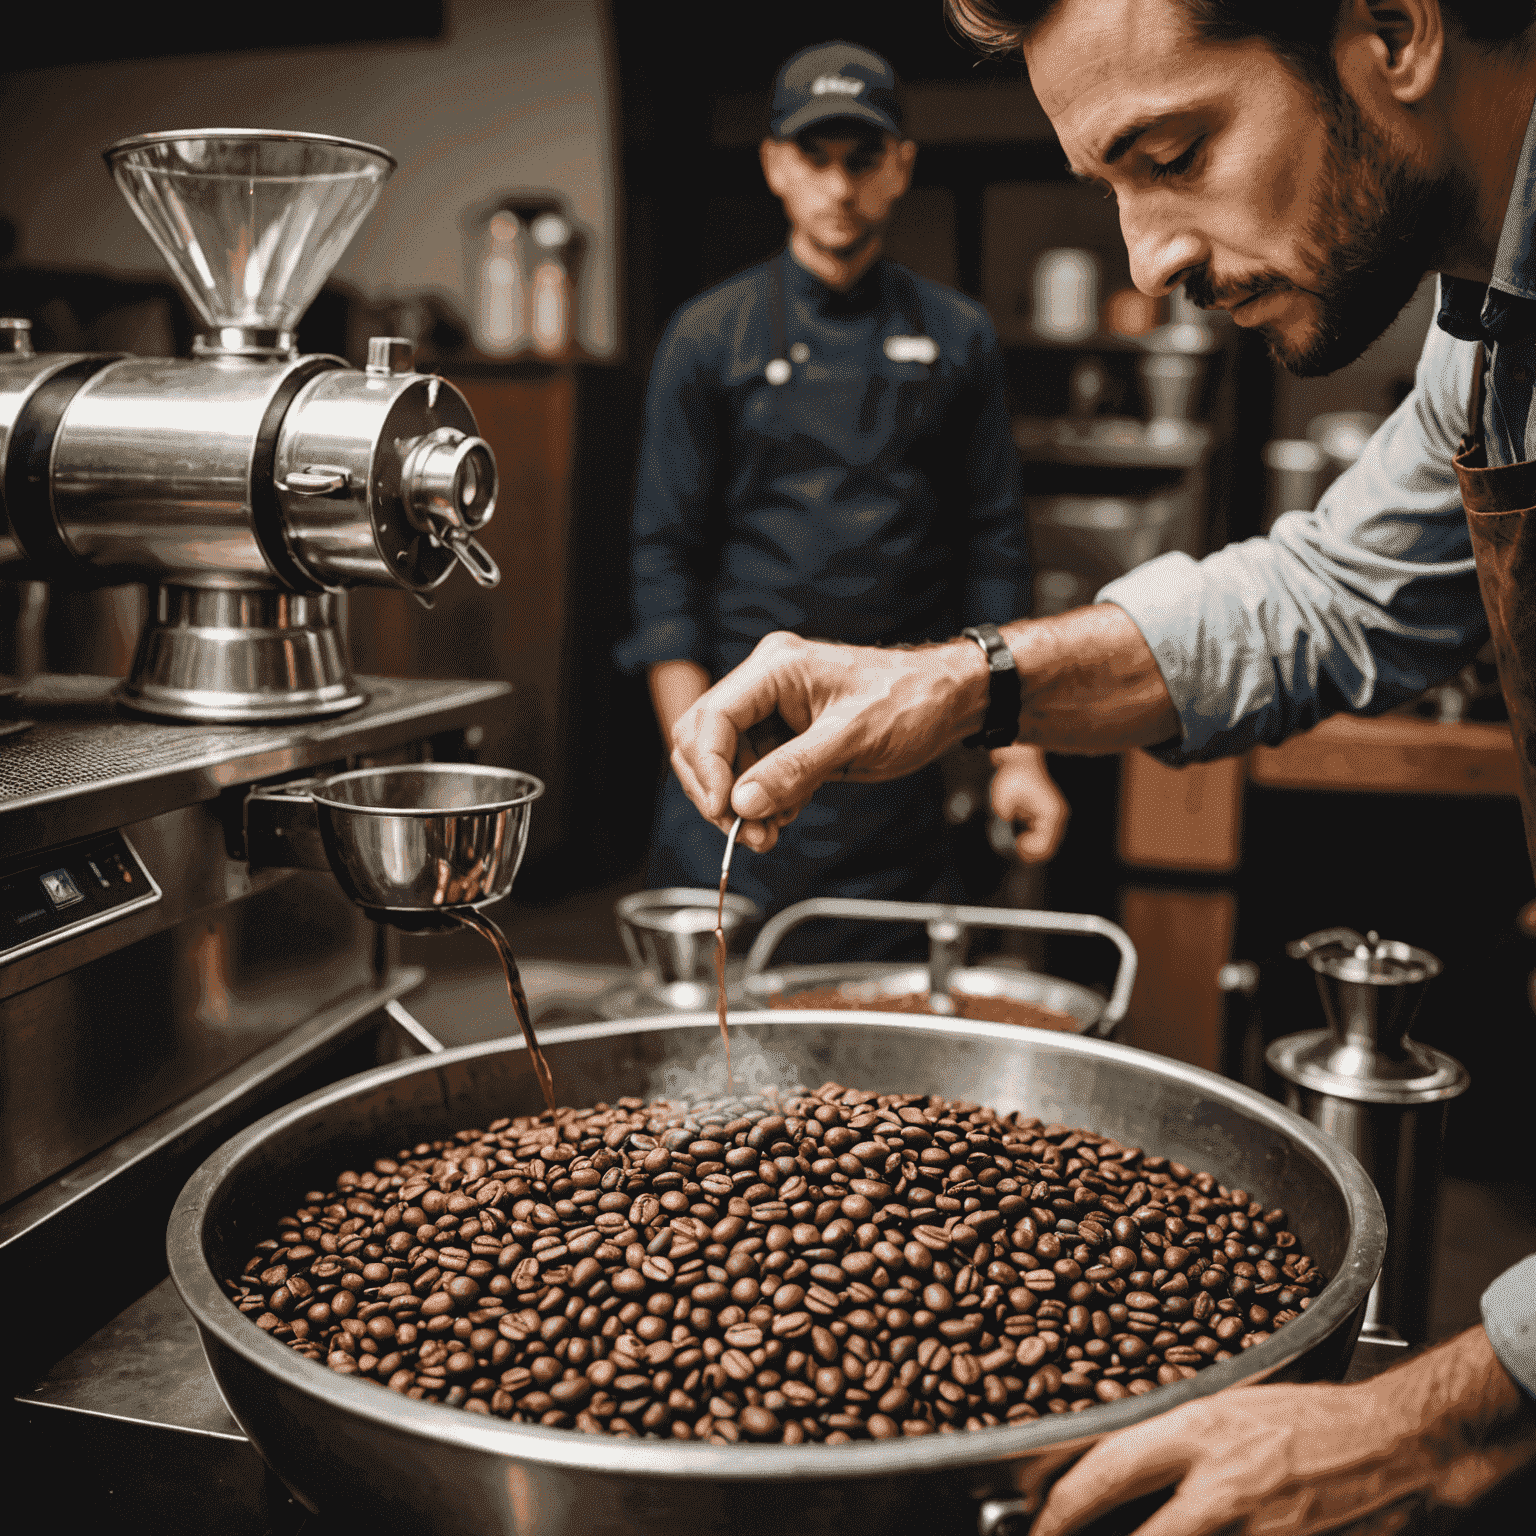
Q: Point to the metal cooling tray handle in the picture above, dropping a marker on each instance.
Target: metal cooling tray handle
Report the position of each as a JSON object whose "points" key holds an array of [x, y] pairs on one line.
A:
{"points": [[948, 930], [413, 1027]]}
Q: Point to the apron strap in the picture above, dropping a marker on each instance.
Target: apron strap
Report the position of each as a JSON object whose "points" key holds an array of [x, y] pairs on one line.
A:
{"points": [[1474, 434], [776, 307]]}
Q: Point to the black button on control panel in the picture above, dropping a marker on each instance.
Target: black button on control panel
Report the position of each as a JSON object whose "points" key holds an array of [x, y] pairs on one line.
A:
{"points": [[49, 896]]}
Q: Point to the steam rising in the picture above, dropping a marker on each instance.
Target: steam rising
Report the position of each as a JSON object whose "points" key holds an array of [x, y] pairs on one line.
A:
{"points": [[757, 1070]]}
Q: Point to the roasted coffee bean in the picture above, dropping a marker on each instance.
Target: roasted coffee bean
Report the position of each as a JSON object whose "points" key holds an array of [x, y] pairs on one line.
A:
{"points": [[748, 1271]]}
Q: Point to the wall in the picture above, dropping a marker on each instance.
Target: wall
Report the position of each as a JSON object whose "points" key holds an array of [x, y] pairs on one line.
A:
{"points": [[517, 95]]}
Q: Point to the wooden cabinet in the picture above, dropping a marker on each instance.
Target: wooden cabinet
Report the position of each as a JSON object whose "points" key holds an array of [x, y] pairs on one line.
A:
{"points": [[1187, 823], [514, 631], [565, 441]]}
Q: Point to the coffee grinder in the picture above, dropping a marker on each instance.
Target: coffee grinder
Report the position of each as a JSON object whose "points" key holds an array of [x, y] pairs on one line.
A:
{"points": [[249, 486]]}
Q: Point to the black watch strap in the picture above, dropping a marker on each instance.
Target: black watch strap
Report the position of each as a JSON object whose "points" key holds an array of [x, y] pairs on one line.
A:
{"points": [[1005, 697]]}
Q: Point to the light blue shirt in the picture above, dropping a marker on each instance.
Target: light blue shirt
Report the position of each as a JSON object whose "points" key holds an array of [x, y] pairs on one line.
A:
{"points": [[1360, 604], [1509, 1319], [1367, 600]]}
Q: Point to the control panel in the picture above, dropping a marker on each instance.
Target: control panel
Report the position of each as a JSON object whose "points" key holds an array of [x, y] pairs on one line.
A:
{"points": [[59, 892]]}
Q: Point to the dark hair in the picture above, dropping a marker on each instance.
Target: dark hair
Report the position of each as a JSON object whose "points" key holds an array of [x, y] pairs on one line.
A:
{"points": [[1300, 31]]}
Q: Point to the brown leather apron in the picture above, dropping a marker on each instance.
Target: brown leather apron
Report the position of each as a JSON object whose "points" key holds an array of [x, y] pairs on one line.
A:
{"points": [[1501, 514]]}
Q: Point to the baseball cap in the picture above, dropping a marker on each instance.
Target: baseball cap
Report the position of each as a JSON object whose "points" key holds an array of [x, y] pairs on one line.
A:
{"points": [[834, 80]]}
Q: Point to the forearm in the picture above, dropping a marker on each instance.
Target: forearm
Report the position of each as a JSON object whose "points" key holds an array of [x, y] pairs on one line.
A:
{"points": [[1477, 1425], [1437, 1433], [1090, 683]]}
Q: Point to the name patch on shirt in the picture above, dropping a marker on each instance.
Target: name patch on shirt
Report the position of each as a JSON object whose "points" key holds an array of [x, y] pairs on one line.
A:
{"points": [[912, 349]]}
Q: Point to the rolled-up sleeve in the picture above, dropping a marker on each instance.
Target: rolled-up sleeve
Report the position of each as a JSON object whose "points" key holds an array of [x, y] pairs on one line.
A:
{"points": [[1509, 1320], [674, 496], [997, 574], [1358, 605]]}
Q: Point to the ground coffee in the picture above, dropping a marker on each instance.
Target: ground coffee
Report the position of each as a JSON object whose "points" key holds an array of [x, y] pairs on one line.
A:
{"points": [[822, 1266]]}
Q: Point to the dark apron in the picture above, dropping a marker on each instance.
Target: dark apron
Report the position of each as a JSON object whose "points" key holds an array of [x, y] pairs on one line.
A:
{"points": [[878, 841], [1501, 515]]}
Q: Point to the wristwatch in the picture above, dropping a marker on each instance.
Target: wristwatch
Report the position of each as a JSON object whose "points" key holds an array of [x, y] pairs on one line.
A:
{"points": [[1000, 728]]}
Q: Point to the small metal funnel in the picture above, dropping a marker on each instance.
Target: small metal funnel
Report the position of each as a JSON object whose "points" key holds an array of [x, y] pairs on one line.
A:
{"points": [[669, 936], [250, 221], [1371, 989], [415, 846]]}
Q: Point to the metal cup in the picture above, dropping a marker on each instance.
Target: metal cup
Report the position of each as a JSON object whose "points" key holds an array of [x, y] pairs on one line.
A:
{"points": [[408, 844], [670, 935]]}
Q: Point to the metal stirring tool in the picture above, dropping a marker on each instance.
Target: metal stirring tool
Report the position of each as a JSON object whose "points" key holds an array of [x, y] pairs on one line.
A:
{"points": [[725, 874]]}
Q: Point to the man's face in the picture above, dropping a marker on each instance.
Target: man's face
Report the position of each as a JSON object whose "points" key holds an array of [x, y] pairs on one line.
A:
{"points": [[1234, 177], [838, 191]]}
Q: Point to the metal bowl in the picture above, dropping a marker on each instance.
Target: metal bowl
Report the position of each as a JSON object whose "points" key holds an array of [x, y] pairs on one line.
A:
{"points": [[348, 1445], [407, 843]]}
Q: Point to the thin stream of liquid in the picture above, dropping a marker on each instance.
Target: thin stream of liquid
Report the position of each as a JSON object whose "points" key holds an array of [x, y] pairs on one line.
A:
{"points": [[725, 1033], [498, 941]]}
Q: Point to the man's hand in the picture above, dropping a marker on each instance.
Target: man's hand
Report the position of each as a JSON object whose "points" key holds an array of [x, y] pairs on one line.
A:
{"points": [[1091, 684], [1023, 792], [859, 713], [1434, 1433]]}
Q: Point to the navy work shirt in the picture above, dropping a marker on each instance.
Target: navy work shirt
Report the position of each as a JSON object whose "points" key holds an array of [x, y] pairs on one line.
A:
{"points": [[872, 497]]}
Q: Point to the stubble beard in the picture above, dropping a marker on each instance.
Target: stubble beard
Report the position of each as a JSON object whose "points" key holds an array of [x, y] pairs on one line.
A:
{"points": [[1377, 227]]}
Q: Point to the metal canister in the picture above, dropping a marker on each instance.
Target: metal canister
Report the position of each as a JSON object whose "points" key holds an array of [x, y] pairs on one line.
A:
{"points": [[1381, 1095]]}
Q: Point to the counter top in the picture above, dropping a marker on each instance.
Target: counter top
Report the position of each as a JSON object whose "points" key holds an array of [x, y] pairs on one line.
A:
{"points": [[83, 765], [1393, 754]]}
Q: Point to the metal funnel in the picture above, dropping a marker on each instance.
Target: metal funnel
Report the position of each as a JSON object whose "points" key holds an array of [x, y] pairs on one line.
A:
{"points": [[1383, 1096], [251, 221], [1371, 989]]}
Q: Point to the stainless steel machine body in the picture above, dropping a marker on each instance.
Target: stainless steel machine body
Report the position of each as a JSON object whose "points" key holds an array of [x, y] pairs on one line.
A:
{"points": [[159, 988], [346, 1445], [1384, 1097], [156, 990]]}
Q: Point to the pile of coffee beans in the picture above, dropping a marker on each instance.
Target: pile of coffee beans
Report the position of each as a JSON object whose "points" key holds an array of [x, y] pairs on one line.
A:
{"points": [[830, 1266], [967, 1005]]}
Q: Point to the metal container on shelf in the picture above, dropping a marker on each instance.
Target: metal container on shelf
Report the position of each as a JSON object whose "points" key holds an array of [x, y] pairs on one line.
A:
{"points": [[669, 936], [946, 973], [1381, 1095], [344, 1445]]}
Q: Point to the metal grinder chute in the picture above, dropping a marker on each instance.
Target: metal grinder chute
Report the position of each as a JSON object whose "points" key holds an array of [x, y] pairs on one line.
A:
{"points": [[249, 485]]}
